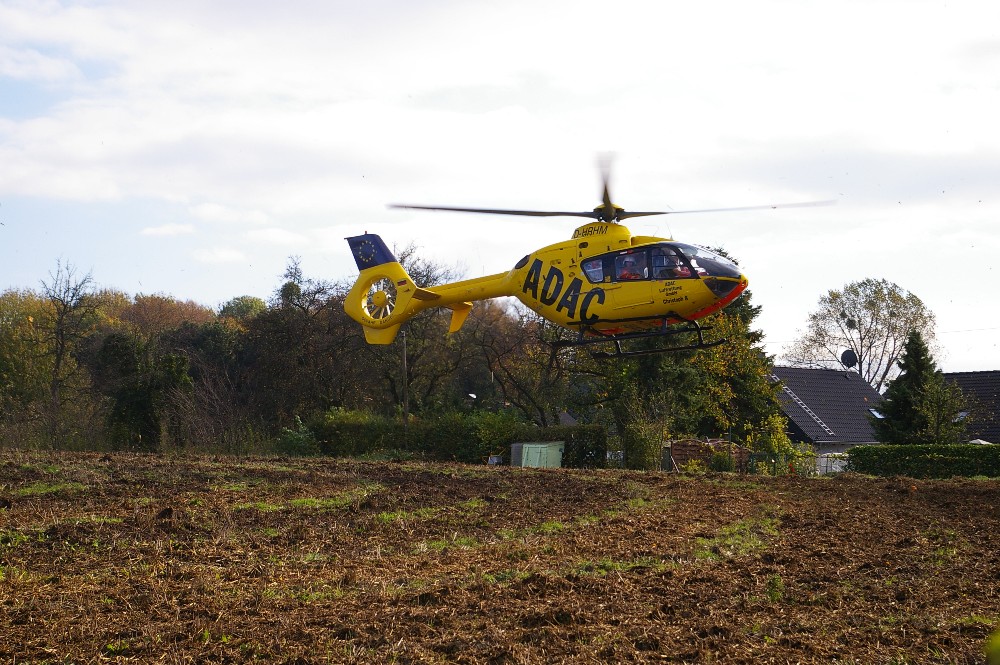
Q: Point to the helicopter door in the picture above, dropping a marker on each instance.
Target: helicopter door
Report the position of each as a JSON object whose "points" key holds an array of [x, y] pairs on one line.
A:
{"points": [[631, 276]]}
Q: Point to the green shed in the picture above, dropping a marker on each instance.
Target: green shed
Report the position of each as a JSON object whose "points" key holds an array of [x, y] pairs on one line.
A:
{"points": [[546, 454]]}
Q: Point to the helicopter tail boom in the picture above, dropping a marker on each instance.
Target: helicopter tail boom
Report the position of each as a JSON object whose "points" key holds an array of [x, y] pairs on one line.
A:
{"points": [[384, 296]]}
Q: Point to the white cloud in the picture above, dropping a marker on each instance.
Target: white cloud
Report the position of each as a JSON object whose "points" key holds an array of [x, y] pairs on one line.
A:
{"points": [[168, 230], [219, 255], [214, 212], [274, 236], [29, 64]]}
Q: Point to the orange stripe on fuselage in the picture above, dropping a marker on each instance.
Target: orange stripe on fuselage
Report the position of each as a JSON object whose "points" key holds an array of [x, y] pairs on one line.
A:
{"points": [[711, 309], [603, 328]]}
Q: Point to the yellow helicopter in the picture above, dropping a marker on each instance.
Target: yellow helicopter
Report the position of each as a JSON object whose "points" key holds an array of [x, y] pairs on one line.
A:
{"points": [[603, 283]]}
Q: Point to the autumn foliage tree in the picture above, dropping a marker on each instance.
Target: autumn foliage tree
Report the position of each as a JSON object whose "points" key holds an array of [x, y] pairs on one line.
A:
{"points": [[25, 374], [739, 396], [516, 345]]}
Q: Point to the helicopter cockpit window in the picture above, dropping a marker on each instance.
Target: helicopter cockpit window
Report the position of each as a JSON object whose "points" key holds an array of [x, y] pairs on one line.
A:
{"points": [[708, 263], [594, 270], [631, 266], [668, 264]]}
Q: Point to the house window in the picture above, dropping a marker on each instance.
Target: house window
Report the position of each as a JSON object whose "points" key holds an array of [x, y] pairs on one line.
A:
{"points": [[876, 414]]}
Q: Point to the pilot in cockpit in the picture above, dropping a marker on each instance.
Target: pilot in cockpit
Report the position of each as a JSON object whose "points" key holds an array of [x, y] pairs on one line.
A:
{"points": [[666, 265]]}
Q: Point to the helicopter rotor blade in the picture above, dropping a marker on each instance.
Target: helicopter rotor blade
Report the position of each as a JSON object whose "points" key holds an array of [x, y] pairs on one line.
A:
{"points": [[495, 211], [772, 206], [604, 164], [596, 214], [626, 214]]}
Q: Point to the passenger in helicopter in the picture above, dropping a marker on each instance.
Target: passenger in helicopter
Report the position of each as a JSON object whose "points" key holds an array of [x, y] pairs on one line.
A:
{"points": [[630, 269]]}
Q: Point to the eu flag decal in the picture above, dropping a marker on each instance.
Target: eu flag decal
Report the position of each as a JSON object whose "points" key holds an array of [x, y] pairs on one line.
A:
{"points": [[369, 250]]}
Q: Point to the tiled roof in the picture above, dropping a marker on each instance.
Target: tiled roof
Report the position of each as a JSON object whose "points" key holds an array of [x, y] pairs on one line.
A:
{"points": [[984, 390], [827, 405]]}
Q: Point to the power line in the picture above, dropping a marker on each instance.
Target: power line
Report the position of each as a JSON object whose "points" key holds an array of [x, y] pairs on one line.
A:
{"points": [[942, 332], [946, 332]]}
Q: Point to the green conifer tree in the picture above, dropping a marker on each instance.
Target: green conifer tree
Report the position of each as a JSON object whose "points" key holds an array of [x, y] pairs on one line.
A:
{"points": [[920, 405], [902, 417]]}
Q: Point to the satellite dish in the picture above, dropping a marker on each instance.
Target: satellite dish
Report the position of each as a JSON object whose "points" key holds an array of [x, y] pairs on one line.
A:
{"points": [[849, 358]]}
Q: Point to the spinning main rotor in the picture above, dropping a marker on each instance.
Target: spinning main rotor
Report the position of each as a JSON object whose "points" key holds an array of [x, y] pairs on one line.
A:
{"points": [[607, 211]]}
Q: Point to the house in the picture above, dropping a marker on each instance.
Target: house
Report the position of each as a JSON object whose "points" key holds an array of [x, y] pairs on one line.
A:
{"points": [[983, 391], [827, 408]]}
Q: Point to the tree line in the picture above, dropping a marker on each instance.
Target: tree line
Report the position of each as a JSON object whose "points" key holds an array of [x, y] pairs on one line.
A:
{"points": [[89, 368]]}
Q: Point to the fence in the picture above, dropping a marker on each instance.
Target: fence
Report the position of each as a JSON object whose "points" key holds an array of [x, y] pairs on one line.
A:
{"points": [[831, 463], [679, 455], [685, 451]]}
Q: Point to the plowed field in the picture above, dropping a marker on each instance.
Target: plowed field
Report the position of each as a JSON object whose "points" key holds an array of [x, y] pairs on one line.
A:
{"points": [[142, 558]]}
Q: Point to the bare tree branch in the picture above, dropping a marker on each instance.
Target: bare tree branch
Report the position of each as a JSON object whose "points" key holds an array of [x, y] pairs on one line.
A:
{"points": [[872, 318]]}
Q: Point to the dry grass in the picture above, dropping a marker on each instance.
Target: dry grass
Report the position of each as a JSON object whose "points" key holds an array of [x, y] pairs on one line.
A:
{"points": [[129, 558]]}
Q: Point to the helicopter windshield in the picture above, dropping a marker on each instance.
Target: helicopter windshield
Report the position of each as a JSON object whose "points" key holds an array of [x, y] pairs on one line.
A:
{"points": [[708, 263], [659, 262]]}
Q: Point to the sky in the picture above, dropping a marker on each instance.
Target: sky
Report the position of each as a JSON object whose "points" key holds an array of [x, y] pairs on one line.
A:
{"points": [[191, 148]]}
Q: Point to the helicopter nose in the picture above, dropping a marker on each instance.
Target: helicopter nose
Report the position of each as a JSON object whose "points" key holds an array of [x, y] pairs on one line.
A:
{"points": [[722, 287]]}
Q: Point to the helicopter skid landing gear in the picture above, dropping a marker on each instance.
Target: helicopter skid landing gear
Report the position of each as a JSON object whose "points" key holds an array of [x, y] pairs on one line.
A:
{"points": [[663, 331]]}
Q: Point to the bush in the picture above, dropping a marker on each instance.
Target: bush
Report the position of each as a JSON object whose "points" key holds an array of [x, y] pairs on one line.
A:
{"points": [[926, 460], [993, 649], [496, 430], [586, 445], [299, 441], [722, 460], [340, 432], [694, 466], [643, 444], [771, 439], [450, 436]]}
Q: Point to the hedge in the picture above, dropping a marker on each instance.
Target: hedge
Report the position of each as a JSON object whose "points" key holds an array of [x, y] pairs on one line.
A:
{"points": [[470, 438], [926, 461]]}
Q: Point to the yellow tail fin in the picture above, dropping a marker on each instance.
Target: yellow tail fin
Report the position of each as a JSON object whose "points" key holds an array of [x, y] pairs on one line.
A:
{"points": [[383, 297]]}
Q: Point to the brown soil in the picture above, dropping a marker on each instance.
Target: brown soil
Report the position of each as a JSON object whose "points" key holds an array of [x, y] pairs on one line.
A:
{"points": [[133, 558]]}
